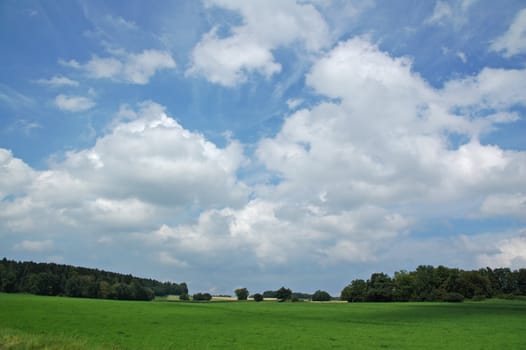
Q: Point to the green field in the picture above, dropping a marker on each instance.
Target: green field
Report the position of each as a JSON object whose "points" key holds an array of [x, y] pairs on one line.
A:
{"points": [[33, 322]]}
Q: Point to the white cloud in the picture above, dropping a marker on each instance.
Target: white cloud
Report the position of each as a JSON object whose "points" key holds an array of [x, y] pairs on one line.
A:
{"points": [[98, 68], [508, 252], [340, 155], [266, 26], [462, 57], [134, 68], [168, 259], [293, 103], [58, 81], [450, 12], [277, 233], [492, 88], [73, 103], [139, 68], [354, 173], [513, 42], [509, 204], [120, 23], [147, 169], [15, 175], [441, 12], [34, 246]]}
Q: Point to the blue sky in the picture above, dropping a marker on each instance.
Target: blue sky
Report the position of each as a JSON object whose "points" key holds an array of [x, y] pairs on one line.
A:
{"points": [[258, 144]]}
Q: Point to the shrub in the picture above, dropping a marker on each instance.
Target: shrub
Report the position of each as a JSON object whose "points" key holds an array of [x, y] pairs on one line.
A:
{"points": [[478, 297], [454, 298], [202, 297], [258, 297], [184, 297], [321, 295]]}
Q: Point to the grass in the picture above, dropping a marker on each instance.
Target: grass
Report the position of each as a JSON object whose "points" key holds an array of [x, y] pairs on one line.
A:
{"points": [[32, 322]]}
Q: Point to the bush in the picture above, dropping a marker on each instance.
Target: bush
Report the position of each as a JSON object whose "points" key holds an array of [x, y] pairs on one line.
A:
{"points": [[202, 297], [454, 298], [184, 297], [258, 297], [321, 295], [478, 297]]}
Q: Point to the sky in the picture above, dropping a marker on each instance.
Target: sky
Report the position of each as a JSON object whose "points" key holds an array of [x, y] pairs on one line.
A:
{"points": [[260, 144]]}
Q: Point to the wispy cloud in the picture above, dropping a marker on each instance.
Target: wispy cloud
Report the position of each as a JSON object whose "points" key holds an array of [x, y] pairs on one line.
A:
{"points": [[513, 41], [24, 126], [13, 98], [57, 81], [453, 12], [134, 68], [34, 246]]}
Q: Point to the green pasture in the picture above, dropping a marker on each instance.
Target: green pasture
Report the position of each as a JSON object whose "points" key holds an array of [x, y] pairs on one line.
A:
{"points": [[35, 322]]}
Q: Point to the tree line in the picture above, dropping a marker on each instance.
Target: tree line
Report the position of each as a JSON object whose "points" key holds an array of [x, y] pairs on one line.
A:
{"points": [[72, 281], [428, 283]]}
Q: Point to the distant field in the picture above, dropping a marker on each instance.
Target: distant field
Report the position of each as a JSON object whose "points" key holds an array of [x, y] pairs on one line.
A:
{"points": [[32, 322]]}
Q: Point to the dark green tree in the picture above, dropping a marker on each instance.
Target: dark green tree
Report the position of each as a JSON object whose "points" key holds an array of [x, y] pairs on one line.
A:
{"points": [[425, 283], [380, 287], [521, 281], [242, 293], [270, 294], [355, 292], [283, 294], [258, 297], [321, 295], [504, 281], [404, 286], [73, 287], [471, 283]]}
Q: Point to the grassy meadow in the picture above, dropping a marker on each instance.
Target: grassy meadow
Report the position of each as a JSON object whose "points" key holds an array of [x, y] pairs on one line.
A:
{"points": [[36, 322]]}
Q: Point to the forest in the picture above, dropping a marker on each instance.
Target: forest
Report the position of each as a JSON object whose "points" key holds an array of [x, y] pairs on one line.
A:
{"points": [[428, 283], [72, 281]]}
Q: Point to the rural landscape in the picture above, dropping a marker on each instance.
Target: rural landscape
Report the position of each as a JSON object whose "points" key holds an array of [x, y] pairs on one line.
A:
{"points": [[438, 308], [262, 174]]}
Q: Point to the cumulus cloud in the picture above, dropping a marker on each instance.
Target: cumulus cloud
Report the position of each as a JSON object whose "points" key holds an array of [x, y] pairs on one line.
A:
{"points": [[147, 169], [354, 152], [134, 68], [513, 41], [351, 175], [354, 174], [509, 204], [498, 249], [266, 26], [74, 103], [279, 233], [15, 175], [511, 253]]}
